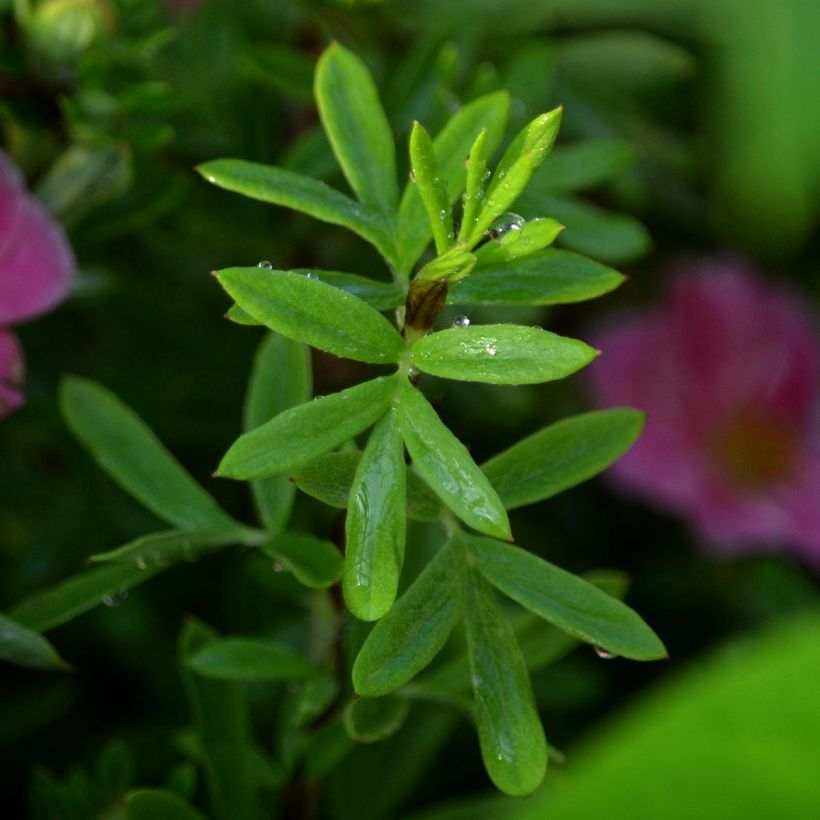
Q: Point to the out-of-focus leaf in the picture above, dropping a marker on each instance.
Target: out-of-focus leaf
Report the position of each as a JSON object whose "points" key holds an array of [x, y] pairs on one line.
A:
{"points": [[23, 646], [133, 456], [562, 455], [284, 68], [566, 600], [375, 524], [250, 659], [315, 563], [303, 433], [357, 127], [369, 720], [281, 378], [582, 165], [313, 312], [414, 631], [548, 277], [444, 463], [509, 730], [500, 354], [156, 804]]}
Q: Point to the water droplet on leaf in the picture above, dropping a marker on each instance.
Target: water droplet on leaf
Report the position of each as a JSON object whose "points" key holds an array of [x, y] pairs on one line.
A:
{"points": [[504, 224], [461, 321], [267, 265], [604, 653], [491, 350]]}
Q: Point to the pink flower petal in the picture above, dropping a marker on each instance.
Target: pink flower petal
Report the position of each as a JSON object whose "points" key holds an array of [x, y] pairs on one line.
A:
{"points": [[12, 196], [11, 373], [36, 265]]}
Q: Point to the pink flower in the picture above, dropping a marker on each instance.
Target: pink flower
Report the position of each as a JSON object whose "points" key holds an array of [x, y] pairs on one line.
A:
{"points": [[36, 268], [727, 368]]}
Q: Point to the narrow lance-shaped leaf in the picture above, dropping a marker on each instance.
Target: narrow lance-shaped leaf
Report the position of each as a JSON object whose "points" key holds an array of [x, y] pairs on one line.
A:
{"points": [[432, 186], [451, 145], [474, 186], [303, 433], [249, 659], [313, 312], [500, 354], [566, 600], [157, 804], [547, 277], [23, 646], [357, 127], [281, 378], [375, 524], [279, 186], [124, 446], [509, 730], [444, 463], [315, 563], [533, 236], [562, 455], [414, 630]]}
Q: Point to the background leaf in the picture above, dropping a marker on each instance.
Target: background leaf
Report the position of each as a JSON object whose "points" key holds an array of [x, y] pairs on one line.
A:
{"points": [[315, 562], [369, 720], [25, 647], [248, 659]]}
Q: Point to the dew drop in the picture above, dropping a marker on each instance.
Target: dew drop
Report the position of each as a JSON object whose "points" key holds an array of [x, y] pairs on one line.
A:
{"points": [[504, 224], [461, 321], [116, 599], [266, 264], [411, 175], [277, 567], [491, 350], [413, 372], [605, 654], [142, 562], [442, 214]]}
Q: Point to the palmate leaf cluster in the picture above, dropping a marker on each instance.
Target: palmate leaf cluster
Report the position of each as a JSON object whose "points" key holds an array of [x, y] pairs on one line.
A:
{"points": [[412, 468]]}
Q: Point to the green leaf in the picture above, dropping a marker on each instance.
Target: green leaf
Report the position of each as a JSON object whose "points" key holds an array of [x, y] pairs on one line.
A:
{"points": [[330, 477], [474, 185], [303, 433], [548, 277], [444, 463], [315, 563], [279, 186], [357, 127], [452, 146], [156, 804], [239, 316], [222, 721], [452, 266], [565, 600], [369, 720], [414, 631], [249, 659], [281, 378], [161, 549], [562, 455], [532, 237], [509, 730], [133, 456], [583, 165], [23, 646], [375, 524], [500, 354], [76, 595], [313, 312], [432, 186]]}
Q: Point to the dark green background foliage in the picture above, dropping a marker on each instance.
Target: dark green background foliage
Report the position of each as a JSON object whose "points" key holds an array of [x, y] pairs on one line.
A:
{"points": [[654, 142]]}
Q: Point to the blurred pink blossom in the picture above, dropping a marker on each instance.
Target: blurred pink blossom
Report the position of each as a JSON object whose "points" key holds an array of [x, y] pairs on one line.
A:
{"points": [[727, 367], [36, 268]]}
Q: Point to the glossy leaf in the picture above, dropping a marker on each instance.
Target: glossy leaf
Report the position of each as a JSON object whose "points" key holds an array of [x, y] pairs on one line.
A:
{"points": [[509, 730], [369, 720], [23, 646], [281, 378], [248, 659], [161, 549], [315, 563], [548, 277], [474, 184], [500, 354], [444, 463], [357, 127], [375, 524], [303, 433], [432, 186], [330, 477], [562, 455], [156, 804], [76, 595], [533, 236], [565, 600], [221, 718], [279, 186], [124, 446], [313, 312], [414, 630], [452, 146]]}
